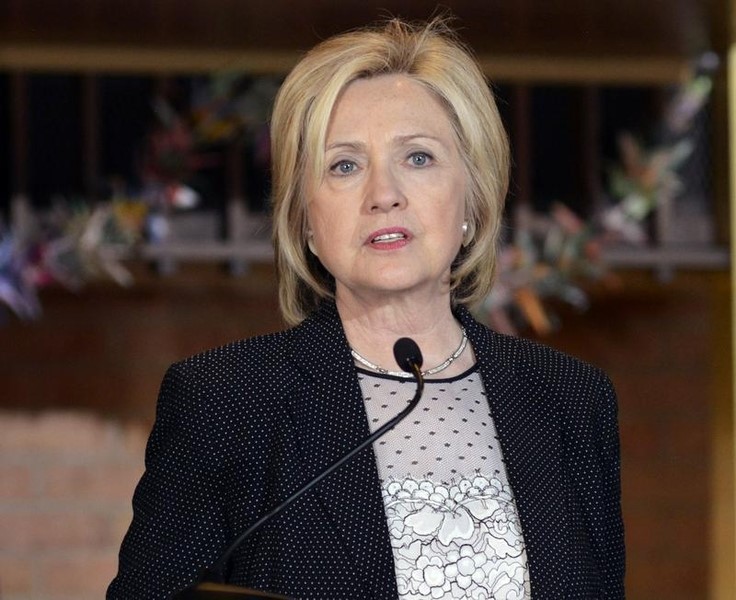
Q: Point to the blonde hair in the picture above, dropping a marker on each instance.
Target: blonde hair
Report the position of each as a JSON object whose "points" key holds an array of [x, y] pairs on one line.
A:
{"points": [[431, 55]]}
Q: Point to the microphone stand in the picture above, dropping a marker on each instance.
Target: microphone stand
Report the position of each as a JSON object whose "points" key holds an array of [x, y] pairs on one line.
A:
{"points": [[209, 584]]}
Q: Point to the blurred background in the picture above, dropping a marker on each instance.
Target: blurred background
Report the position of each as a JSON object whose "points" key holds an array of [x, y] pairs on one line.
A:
{"points": [[134, 231]]}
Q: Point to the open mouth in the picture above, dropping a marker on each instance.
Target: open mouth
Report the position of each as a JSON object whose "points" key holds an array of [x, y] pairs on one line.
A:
{"points": [[385, 238]]}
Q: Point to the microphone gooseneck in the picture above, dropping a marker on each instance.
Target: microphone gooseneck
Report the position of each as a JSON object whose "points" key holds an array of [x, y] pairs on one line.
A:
{"points": [[209, 584]]}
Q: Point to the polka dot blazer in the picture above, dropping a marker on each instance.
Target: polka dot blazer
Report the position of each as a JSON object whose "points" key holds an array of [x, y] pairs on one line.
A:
{"points": [[240, 427]]}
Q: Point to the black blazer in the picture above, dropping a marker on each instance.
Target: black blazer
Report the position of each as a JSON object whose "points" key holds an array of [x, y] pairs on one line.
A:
{"points": [[240, 427]]}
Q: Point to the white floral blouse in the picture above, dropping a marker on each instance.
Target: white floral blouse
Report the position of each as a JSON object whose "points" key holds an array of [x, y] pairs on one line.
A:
{"points": [[454, 527]]}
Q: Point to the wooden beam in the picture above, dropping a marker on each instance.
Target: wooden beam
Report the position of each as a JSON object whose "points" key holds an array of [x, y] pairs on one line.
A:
{"points": [[139, 60], [19, 128], [523, 167], [586, 70], [723, 445], [91, 136], [612, 70]]}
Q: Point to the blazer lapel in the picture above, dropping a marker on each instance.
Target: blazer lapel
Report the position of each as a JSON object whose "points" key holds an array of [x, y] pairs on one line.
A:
{"points": [[529, 428], [330, 418]]}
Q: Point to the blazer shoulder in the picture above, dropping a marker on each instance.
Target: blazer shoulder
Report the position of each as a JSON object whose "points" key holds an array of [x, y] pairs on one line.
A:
{"points": [[263, 351], [240, 373], [580, 388], [549, 366], [537, 354]]}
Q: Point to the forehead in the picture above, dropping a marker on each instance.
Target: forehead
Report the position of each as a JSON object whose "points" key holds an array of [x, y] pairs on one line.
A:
{"points": [[395, 103]]}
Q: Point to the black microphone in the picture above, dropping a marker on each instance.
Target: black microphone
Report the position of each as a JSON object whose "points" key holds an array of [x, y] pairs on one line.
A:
{"points": [[408, 356], [210, 586]]}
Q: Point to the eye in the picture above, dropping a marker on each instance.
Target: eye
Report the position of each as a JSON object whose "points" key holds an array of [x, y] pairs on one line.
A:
{"points": [[420, 159], [343, 167]]}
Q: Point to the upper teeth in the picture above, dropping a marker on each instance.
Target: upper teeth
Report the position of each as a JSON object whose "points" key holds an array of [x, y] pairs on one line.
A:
{"points": [[388, 237]]}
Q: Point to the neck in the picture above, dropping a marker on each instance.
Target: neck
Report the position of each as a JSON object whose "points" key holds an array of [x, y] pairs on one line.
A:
{"points": [[372, 327]]}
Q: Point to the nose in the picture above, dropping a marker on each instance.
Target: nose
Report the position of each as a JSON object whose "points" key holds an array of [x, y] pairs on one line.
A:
{"points": [[384, 192]]}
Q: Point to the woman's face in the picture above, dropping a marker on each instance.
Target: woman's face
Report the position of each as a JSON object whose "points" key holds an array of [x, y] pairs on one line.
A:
{"points": [[387, 215]]}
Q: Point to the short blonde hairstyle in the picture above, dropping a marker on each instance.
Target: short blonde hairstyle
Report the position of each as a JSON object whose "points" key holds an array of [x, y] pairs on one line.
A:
{"points": [[431, 55]]}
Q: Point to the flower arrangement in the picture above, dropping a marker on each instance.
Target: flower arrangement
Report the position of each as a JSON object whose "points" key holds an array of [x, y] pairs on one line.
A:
{"points": [[78, 242], [551, 255]]}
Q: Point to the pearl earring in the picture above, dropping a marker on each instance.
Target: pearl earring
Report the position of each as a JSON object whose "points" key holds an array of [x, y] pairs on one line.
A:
{"points": [[466, 237]]}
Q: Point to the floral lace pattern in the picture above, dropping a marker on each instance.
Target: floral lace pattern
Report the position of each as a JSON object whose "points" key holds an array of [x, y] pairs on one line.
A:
{"points": [[461, 540]]}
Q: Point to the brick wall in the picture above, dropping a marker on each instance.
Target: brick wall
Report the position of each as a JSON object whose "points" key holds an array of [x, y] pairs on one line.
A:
{"points": [[79, 388], [65, 485]]}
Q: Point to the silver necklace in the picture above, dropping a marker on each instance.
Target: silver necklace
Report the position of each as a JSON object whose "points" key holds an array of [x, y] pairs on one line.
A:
{"points": [[441, 367]]}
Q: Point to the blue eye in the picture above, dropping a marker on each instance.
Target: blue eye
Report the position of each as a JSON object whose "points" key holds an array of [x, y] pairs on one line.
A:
{"points": [[420, 159], [343, 167]]}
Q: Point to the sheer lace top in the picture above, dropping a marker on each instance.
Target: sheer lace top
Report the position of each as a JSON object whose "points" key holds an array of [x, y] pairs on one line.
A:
{"points": [[454, 527]]}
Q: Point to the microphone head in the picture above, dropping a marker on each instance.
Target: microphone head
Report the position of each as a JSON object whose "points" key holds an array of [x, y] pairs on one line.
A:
{"points": [[407, 353]]}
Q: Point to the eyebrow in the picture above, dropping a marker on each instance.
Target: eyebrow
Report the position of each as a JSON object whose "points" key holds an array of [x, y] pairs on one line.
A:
{"points": [[347, 145], [414, 136], [402, 139]]}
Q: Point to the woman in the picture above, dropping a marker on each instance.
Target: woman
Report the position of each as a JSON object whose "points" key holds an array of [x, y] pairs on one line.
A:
{"points": [[390, 171]]}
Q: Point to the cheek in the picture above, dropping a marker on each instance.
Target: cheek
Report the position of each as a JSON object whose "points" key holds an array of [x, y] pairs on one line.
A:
{"points": [[317, 240], [330, 232], [452, 221], [316, 215], [452, 211]]}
